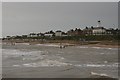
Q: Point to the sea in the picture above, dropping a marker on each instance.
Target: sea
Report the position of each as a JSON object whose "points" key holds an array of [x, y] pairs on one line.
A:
{"points": [[50, 61]]}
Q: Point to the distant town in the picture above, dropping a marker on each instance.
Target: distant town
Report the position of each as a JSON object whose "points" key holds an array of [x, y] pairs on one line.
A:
{"points": [[74, 34]]}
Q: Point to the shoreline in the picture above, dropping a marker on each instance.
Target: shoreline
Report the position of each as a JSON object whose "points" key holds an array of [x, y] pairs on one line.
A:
{"points": [[103, 44]]}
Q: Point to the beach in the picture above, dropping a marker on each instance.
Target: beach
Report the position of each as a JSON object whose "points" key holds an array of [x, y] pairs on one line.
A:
{"points": [[112, 44]]}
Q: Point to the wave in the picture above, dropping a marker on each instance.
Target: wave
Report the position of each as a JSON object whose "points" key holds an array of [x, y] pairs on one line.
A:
{"points": [[57, 63], [44, 63], [82, 47], [19, 52], [51, 45], [97, 47], [97, 65]]}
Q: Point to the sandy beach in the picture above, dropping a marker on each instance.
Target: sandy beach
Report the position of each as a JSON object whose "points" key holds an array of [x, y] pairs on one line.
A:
{"points": [[104, 44]]}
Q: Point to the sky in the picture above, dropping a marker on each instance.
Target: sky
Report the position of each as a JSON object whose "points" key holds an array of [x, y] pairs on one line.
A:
{"points": [[60, 0], [19, 18], [0, 19]]}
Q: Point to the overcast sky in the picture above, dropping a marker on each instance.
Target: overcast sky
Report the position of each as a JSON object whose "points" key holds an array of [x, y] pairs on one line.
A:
{"points": [[25, 17]]}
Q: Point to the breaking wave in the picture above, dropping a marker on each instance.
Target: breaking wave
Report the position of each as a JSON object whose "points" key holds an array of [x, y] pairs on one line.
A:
{"points": [[47, 63], [97, 65], [97, 47]]}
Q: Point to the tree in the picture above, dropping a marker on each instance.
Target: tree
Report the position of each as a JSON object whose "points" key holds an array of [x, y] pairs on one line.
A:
{"points": [[86, 27], [92, 27], [51, 32]]}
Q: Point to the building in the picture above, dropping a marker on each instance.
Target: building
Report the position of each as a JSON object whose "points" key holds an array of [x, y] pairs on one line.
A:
{"points": [[58, 33], [117, 31], [40, 34], [88, 31], [98, 31], [48, 34], [70, 32], [64, 34], [76, 32], [110, 31], [32, 35]]}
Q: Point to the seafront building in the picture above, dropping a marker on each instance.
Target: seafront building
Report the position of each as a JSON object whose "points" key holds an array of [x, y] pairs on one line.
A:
{"points": [[58, 33], [32, 35], [75, 32], [48, 34], [88, 31], [99, 31]]}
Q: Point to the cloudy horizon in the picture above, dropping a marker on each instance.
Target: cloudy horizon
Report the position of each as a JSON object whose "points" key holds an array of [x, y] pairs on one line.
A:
{"points": [[24, 17]]}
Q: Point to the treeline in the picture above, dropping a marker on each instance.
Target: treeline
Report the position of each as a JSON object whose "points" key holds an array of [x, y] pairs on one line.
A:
{"points": [[89, 37]]}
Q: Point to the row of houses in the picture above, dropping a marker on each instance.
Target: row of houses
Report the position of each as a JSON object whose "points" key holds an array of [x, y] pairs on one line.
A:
{"points": [[94, 31], [74, 32], [77, 32], [48, 34], [97, 30]]}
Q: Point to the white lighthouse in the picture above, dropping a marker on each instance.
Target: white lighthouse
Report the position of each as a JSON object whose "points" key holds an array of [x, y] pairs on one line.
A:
{"points": [[99, 30], [99, 24]]}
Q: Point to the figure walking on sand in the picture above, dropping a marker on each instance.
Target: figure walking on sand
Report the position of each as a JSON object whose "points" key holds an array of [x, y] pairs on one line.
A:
{"points": [[62, 46]]}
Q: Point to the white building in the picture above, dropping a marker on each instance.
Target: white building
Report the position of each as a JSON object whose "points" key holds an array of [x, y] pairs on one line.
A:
{"points": [[40, 34], [58, 33], [32, 35], [99, 31], [48, 34]]}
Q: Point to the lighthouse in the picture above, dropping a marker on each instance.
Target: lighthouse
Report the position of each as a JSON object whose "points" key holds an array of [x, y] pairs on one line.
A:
{"points": [[99, 24]]}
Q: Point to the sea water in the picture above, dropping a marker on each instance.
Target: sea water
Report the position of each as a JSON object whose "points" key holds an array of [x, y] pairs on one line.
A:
{"points": [[49, 61]]}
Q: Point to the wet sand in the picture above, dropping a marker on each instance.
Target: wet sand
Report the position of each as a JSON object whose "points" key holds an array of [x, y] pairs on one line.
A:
{"points": [[106, 44]]}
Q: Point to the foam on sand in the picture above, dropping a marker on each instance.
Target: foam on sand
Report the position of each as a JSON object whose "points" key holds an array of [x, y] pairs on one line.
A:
{"points": [[99, 74]]}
